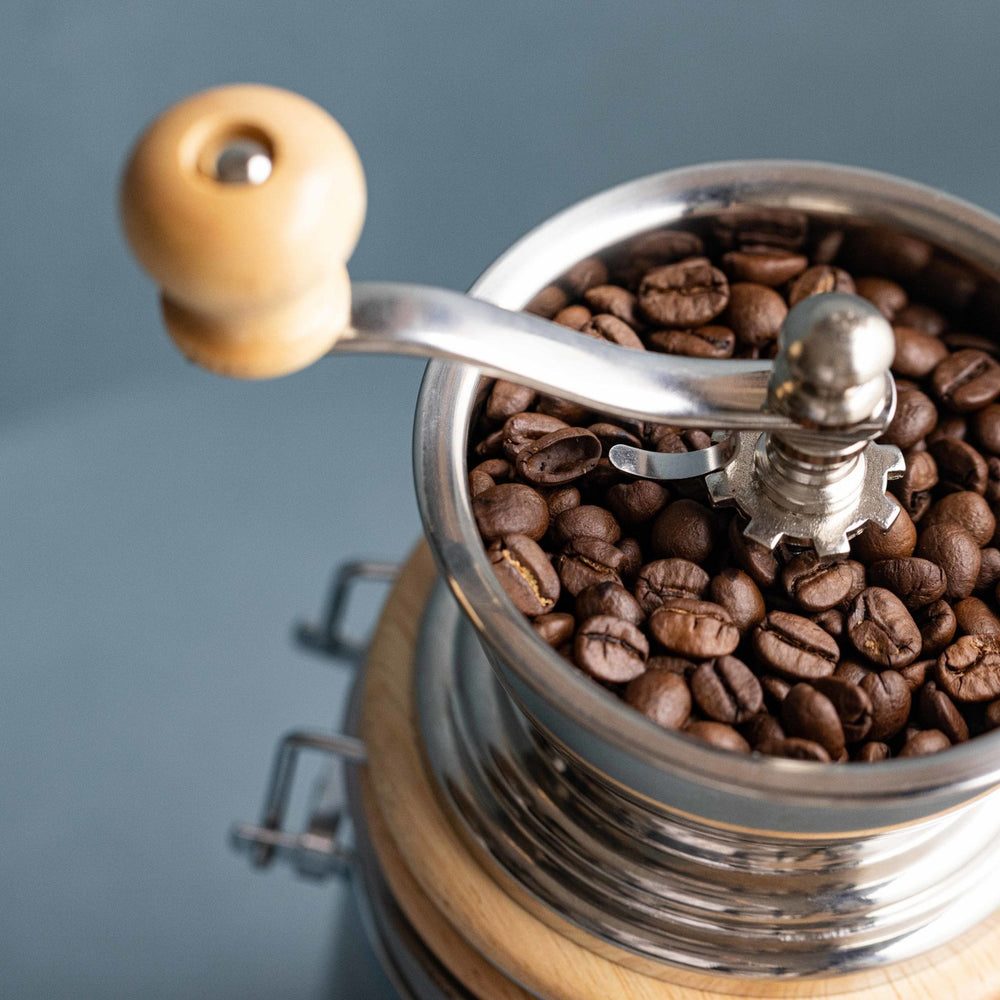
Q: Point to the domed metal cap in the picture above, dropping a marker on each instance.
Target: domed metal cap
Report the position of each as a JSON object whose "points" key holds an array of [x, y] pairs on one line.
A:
{"points": [[834, 354]]}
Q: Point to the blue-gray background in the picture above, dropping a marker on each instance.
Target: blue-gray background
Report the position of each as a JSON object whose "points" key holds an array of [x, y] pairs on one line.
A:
{"points": [[162, 529]]}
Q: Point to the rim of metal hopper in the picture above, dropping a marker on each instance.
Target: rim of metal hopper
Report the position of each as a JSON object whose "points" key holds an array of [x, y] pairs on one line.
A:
{"points": [[449, 392]]}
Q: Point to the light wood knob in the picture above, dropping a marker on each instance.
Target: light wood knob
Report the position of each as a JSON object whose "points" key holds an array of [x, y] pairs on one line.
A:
{"points": [[244, 204]]}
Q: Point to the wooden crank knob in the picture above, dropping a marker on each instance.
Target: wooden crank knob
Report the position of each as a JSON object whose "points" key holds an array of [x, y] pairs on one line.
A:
{"points": [[244, 204]]}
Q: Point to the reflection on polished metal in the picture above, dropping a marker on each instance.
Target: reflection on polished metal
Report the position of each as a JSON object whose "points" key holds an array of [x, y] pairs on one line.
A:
{"points": [[391, 318], [243, 161], [831, 374], [701, 896]]}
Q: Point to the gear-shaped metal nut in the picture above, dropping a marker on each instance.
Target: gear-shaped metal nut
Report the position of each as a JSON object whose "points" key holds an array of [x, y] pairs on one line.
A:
{"points": [[793, 505]]}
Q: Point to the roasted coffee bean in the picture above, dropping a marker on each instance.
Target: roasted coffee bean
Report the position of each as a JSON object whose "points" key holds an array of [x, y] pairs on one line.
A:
{"points": [[585, 274], [915, 417], [575, 317], [637, 502], [696, 439], [816, 584], [525, 573], [661, 695], [775, 688], [740, 596], [890, 697], [937, 626], [795, 748], [992, 493], [666, 579], [831, 620], [989, 569], [874, 544], [764, 265], [913, 489], [631, 560], [569, 414], [685, 529], [755, 313], [916, 582], [727, 690], [700, 342], [949, 425], [489, 446], [956, 552], [987, 426], [585, 561], [667, 440], [960, 466], [664, 246], [687, 294], [555, 628], [974, 617], [872, 752], [613, 300], [548, 302], [991, 717], [956, 340], [498, 468], [561, 457], [853, 706], [969, 669], [588, 520], [757, 560], [808, 714], [672, 664], [937, 711], [917, 353], [915, 674], [925, 742], [609, 599], [479, 481], [853, 670], [718, 734], [922, 317], [510, 509], [966, 380], [762, 727], [607, 327], [610, 649], [611, 434], [561, 499], [794, 647], [880, 628], [698, 629], [506, 399], [966, 509], [817, 280], [887, 296], [880, 250], [522, 428]]}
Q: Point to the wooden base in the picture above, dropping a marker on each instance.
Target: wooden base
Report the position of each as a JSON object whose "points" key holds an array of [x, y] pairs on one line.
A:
{"points": [[502, 951]]}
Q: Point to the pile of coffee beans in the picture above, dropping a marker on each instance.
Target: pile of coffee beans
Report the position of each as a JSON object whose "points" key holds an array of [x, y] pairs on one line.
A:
{"points": [[891, 651]]}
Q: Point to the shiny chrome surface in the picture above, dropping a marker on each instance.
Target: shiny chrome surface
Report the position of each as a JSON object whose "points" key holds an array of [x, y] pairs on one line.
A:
{"points": [[390, 318], [766, 805], [243, 161], [701, 896]]}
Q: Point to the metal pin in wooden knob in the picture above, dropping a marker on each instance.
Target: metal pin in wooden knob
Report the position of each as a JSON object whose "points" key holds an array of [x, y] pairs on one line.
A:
{"points": [[244, 204]]}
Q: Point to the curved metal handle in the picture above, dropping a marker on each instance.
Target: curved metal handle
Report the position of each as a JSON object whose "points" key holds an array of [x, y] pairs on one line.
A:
{"points": [[395, 318]]}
